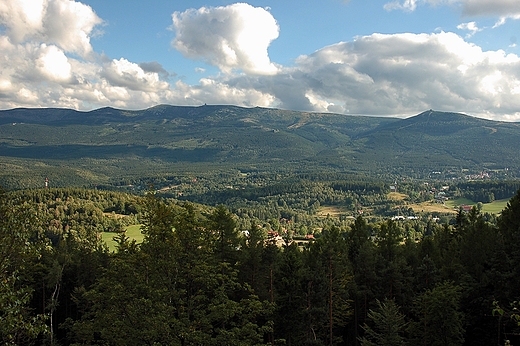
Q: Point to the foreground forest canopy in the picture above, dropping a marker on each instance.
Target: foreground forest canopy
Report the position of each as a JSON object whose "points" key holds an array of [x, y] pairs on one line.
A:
{"points": [[215, 275]]}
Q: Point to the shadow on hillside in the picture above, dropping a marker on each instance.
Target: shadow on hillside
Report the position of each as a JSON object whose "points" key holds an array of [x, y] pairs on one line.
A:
{"points": [[71, 152]]}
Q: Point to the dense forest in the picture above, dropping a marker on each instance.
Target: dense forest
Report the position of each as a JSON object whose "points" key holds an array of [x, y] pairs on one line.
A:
{"points": [[205, 276], [112, 147]]}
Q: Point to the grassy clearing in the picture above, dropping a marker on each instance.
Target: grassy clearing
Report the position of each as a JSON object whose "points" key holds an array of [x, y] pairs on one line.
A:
{"points": [[396, 196], [333, 211], [455, 203], [494, 207], [424, 207], [431, 207], [133, 232]]}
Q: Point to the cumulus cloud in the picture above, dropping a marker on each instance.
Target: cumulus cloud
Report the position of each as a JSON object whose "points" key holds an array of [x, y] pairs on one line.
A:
{"points": [[36, 38], [47, 60], [393, 74], [154, 67], [214, 91], [471, 8], [232, 37], [65, 23], [404, 74], [502, 8], [124, 73], [53, 64]]}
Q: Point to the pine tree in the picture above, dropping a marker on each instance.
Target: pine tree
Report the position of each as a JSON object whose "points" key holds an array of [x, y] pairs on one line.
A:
{"points": [[290, 300], [387, 325], [440, 321], [20, 247], [227, 239], [328, 288]]}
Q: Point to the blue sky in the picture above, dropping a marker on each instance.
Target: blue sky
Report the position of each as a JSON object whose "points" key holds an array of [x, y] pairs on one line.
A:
{"points": [[389, 57]]}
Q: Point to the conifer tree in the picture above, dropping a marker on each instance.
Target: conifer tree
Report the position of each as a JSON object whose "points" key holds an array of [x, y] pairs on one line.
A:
{"points": [[387, 325], [440, 321], [19, 251]]}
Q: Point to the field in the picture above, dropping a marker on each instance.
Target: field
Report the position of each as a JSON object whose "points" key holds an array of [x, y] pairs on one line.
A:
{"points": [[396, 196], [451, 206], [431, 207], [424, 207], [132, 232], [333, 211], [494, 207]]}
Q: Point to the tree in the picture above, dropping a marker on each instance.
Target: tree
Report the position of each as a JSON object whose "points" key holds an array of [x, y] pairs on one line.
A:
{"points": [[18, 326], [170, 290], [329, 278], [252, 267], [359, 235], [20, 244], [393, 271], [364, 285], [290, 300], [506, 266], [211, 305], [439, 319], [227, 240], [388, 325], [123, 307], [509, 228]]}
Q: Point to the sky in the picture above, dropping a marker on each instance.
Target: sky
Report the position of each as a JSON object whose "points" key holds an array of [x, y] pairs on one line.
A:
{"points": [[378, 57]]}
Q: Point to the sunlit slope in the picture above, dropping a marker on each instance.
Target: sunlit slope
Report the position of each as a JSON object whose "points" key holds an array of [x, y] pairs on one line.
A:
{"points": [[109, 144]]}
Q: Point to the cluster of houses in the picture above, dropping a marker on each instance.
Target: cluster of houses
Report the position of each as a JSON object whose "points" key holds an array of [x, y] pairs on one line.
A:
{"points": [[402, 218]]}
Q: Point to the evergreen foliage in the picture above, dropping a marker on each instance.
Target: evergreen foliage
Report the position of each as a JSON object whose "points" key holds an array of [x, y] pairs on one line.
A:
{"points": [[201, 278], [110, 147], [388, 326]]}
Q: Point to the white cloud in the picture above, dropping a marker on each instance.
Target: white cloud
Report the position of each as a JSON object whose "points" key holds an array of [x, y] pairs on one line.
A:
{"points": [[46, 60], [234, 37], [471, 8], [500, 22], [124, 73], [471, 27], [67, 24], [406, 5], [70, 25], [53, 64], [400, 74], [213, 91], [22, 18]]}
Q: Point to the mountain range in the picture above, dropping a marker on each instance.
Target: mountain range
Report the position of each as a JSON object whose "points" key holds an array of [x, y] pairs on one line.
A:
{"points": [[108, 146]]}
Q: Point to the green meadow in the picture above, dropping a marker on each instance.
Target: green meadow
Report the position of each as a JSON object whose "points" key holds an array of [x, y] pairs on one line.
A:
{"points": [[133, 232], [494, 207]]}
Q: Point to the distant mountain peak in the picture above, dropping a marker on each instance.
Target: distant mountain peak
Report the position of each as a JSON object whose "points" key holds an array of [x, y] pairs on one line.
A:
{"points": [[113, 142], [439, 116]]}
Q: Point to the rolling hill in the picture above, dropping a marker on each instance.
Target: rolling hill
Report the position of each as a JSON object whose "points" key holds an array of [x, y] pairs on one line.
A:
{"points": [[111, 146]]}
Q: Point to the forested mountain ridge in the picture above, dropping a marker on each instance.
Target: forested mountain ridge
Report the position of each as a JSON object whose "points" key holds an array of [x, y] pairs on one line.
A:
{"points": [[447, 139], [107, 145]]}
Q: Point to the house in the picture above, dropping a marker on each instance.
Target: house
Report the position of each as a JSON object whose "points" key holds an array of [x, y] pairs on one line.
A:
{"points": [[466, 208]]}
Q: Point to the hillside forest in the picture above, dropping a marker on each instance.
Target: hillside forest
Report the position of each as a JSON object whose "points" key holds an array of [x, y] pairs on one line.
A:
{"points": [[244, 274], [112, 147]]}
